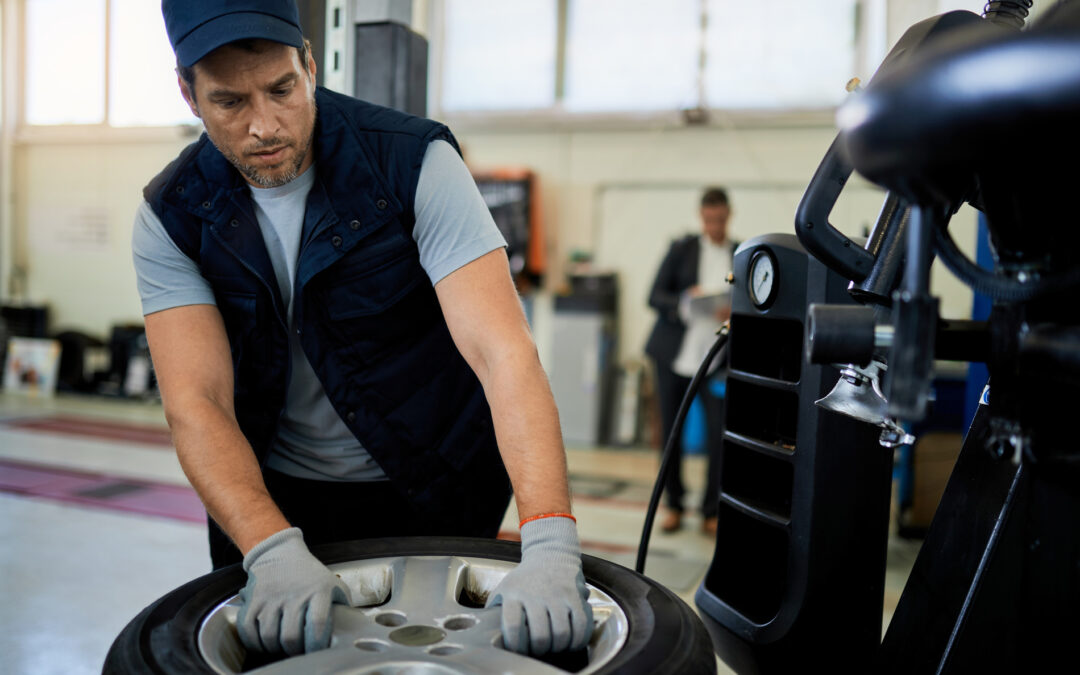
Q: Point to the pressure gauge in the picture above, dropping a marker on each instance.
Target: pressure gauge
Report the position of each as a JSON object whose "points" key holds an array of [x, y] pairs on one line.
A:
{"points": [[762, 278]]}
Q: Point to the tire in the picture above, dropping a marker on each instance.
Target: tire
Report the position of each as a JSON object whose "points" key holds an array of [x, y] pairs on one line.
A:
{"points": [[660, 634]]}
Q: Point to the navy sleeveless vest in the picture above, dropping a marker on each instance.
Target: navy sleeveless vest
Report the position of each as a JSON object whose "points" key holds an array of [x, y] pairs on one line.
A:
{"points": [[365, 311]]}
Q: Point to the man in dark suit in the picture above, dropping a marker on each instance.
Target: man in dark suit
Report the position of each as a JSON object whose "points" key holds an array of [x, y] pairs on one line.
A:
{"points": [[695, 266]]}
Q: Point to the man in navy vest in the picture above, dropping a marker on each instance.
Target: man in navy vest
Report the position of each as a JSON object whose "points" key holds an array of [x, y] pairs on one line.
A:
{"points": [[330, 312]]}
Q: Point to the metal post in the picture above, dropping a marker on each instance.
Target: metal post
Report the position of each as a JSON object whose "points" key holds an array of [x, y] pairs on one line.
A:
{"points": [[339, 58]]}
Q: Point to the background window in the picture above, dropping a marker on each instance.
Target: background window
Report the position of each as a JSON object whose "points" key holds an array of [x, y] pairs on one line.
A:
{"points": [[778, 53], [66, 78], [65, 62], [629, 55], [142, 79], [636, 56], [499, 55]]}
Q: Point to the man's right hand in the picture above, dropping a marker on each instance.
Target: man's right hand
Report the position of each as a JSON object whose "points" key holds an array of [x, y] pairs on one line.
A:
{"points": [[288, 596]]}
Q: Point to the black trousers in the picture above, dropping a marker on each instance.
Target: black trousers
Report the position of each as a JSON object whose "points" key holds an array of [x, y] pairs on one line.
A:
{"points": [[670, 389], [333, 511]]}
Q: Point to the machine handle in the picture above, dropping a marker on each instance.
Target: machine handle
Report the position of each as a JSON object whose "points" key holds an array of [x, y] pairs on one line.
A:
{"points": [[812, 226]]}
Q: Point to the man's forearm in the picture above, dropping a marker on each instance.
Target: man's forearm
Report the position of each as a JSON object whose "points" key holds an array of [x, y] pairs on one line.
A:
{"points": [[485, 318], [527, 430], [222, 468]]}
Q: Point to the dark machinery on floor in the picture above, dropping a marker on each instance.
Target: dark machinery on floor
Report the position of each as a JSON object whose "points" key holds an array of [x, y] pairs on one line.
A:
{"points": [[965, 109]]}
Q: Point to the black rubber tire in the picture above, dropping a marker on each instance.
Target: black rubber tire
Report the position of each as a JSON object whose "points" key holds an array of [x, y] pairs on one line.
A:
{"points": [[664, 635]]}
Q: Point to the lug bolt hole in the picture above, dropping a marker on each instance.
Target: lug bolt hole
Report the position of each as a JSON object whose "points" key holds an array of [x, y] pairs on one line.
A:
{"points": [[459, 622], [371, 645], [391, 619]]}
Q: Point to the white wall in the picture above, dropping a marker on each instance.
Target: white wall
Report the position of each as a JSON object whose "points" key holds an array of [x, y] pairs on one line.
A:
{"points": [[87, 287], [623, 195]]}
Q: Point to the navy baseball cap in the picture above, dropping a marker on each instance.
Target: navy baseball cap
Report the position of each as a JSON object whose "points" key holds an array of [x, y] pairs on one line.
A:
{"points": [[198, 27]]}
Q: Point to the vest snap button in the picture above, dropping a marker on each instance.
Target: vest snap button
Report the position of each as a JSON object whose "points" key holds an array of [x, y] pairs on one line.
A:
{"points": [[206, 205], [381, 203], [355, 224], [180, 189], [350, 417], [234, 222], [336, 241]]}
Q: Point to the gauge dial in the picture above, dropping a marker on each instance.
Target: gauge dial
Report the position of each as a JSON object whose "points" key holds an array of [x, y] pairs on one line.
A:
{"points": [[762, 278]]}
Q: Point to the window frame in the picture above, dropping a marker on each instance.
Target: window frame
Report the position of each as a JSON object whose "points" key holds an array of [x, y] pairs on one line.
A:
{"points": [[89, 133], [557, 117], [554, 117]]}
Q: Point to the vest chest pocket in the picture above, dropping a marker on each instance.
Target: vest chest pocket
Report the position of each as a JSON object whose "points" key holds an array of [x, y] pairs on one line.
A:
{"points": [[366, 288], [380, 310]]}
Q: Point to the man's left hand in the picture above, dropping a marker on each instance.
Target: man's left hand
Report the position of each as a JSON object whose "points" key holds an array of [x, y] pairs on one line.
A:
{"points": [[544, 599]]}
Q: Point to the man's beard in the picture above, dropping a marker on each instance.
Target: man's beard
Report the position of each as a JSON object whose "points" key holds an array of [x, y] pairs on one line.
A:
{"points": [[263, 177], [273, 176]]}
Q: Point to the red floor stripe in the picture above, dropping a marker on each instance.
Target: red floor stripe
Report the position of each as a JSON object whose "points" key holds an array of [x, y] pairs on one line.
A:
{"points": [[159, 436], [95, 428], [158, 499], [175, 502]]}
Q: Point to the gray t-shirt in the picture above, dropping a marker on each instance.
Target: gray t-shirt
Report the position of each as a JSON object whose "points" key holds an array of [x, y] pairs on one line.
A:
{"points": [[453, 228]]}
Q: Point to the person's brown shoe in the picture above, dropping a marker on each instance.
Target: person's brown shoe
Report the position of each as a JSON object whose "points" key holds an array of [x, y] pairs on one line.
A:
{"points": [[708, 526], [672, 521]]}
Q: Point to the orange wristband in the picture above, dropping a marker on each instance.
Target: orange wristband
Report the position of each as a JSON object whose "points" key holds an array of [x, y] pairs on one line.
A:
{"points": [[546, 515]]}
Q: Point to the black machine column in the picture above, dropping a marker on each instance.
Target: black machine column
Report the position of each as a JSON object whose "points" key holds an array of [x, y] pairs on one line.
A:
{"points": [[799, 566]]}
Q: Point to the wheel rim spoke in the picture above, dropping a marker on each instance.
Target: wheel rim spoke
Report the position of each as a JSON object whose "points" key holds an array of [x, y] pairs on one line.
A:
{"points": [[412, 617], [498, 660], [343, 658], [356, 662], [427, 586]]}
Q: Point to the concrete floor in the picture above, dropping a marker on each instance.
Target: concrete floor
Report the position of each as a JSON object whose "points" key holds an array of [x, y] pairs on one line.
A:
{"points": [[74, 571]]}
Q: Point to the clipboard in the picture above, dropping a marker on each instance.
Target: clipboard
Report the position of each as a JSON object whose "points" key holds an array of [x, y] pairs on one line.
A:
{"points": [[706, 306]]}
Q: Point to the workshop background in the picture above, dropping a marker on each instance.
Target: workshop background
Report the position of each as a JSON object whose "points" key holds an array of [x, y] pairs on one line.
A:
{"points": [[592, 127]]}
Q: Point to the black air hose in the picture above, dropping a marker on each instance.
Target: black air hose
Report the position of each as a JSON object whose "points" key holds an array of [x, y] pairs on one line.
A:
{"points": [[998, 288], [672, 441]]}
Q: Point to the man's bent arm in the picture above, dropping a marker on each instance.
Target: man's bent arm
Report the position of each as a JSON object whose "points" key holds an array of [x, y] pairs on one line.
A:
{"points": [[489, 328], [195, 375]]}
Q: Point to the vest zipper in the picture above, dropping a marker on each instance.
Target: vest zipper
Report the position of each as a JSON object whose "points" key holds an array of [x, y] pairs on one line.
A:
{"points": [[249, 268], [281, 321]]}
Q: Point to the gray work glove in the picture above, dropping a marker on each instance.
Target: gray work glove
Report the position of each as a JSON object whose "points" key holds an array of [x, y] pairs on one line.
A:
{"points": [[287, 599], [544, 599]]}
